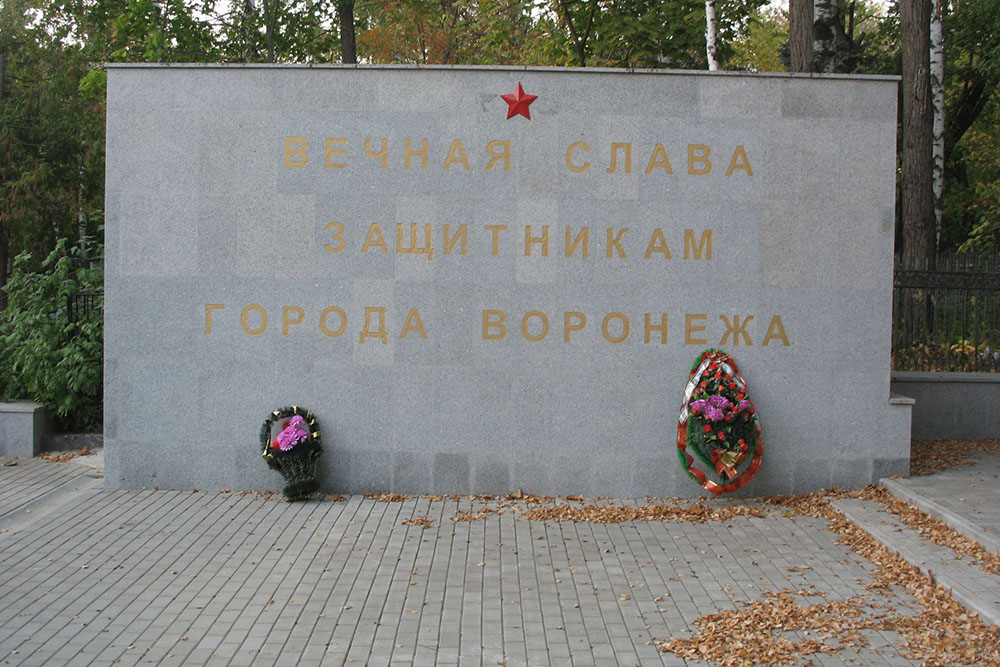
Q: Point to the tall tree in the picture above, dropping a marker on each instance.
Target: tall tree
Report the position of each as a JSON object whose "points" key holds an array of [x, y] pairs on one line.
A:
{"points": [[800, 26], [937, 103], [348, 48], [919, 240], [711, 35], [826, 18], [579, 23]]}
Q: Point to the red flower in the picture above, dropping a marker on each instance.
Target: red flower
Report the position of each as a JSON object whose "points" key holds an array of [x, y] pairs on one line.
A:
{"points": [[274, 445], [729, 376], [703, 384], [708, 427], [732, 385], [740, 397], [713, 365], [722, 435], [743, 445]]}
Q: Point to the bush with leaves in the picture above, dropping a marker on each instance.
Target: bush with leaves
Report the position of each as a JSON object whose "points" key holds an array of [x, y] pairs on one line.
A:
{"points": [[44, 356]]}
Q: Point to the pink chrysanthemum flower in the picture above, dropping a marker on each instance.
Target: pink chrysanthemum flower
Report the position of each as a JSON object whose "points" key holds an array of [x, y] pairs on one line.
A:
{"points": [[292, 433]]}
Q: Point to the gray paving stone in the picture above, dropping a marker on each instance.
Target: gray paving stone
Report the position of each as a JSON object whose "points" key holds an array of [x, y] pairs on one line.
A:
{"points": [[192, 578]]}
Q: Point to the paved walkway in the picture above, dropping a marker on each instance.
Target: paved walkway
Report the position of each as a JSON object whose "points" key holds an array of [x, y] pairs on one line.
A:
{"points": [[89, 576]]}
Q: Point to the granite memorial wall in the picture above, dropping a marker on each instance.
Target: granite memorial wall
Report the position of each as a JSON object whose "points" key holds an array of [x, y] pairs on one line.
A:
{"points": [[485, 279]]}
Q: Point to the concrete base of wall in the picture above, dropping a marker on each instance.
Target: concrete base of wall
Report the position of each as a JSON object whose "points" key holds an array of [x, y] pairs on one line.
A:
{"points": [[951, 405], [23, 426], [900, 425]]}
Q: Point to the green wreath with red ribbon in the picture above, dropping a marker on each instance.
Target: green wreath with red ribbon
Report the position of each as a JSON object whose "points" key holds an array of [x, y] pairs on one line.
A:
{"points": [[718, 425]]}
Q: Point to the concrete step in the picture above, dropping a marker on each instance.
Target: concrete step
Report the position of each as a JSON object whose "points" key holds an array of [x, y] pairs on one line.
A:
{"points": [[51, 493], [975, 589], [908, 491]]}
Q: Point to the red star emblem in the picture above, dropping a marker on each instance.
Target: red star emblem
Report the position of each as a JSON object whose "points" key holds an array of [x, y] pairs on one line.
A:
{"points": [[518, 102]]}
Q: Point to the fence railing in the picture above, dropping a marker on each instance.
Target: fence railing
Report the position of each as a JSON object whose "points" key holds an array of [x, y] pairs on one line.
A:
{"points": [[946, 317], [85, 306]]}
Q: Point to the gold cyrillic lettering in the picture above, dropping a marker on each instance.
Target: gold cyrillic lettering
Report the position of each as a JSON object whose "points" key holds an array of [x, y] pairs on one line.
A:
{"points": [[615, 147], [606, 329], [657, 243], [338, 237], [415, 249], [496, 155], [209, 307], [615, 241], [494, 319], [699, 153], [776, 330], [659, 159], [524, 325], [456, 154], [569, 157], [366, 331], [583, 236], [543, 240], [331, 153], [286, 319], [690, 328], [573, 321], [408, 153], [295, 147], [374, 238], [244, 319], [702, 248], [461, 235], [649, 328], [740, 161], [495, 230], [413, 323], [382, 155], [736, 329], [343, 322]]}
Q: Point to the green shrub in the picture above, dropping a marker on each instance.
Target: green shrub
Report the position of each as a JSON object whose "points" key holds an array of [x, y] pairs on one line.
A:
{"points": [[44, 356]]}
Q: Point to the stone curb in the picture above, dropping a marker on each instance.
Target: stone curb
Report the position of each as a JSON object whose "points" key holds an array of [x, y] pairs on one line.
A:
{"points": [[961, 578], [963, 525], [52, 500]]}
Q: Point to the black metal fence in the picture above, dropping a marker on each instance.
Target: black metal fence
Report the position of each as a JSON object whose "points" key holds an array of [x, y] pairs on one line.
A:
{"points": [[85, 306], [947, 317]]}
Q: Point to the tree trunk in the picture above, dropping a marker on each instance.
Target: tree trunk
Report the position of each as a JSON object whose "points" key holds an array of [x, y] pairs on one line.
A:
{"points": [[937, 99], [348, 47], [711, 33], [4, 236], [249, 46], [917, 196], [800, 19], [579, 39], [4, 251], [826, 19], [269, 20]]}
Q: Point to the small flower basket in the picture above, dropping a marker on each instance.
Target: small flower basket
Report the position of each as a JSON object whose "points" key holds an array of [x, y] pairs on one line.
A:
{"points": [[290, 443], [718, 425]]}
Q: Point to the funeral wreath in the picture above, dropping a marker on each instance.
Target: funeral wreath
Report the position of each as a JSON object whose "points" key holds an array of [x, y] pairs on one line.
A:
{"points": [[718, 425], [290, 443]]}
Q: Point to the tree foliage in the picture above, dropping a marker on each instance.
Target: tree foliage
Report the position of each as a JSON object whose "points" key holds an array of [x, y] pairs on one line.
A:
{"points": [[45, 355]]}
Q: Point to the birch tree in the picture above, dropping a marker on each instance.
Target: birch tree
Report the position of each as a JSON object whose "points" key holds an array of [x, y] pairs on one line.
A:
{"points": [[937, 101], [826, 20], [711, 33]]}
